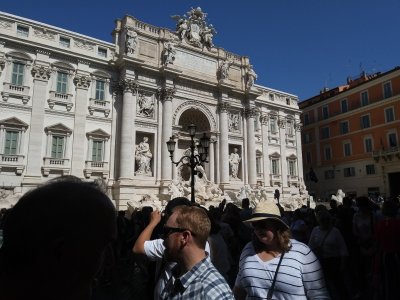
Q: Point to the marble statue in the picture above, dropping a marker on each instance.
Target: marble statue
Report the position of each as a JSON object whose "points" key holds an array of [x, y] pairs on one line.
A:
{"points": [[143, 157], [251, 77], [145, 106], [234, 160], [169, 53], [131, 42], [339, 196], [224, 70]]}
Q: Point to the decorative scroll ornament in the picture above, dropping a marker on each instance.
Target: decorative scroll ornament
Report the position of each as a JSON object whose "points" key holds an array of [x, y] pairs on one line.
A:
{"points": [[166, 93], [125, 85], [41, 72], [264, 119], [44, 34], [194, 29], [282, 123], [298, 126], [233, 122], [82, 81], [250, 112]]}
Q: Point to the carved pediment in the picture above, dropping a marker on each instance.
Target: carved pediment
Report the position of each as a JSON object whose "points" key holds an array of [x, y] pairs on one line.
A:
{"points": [[98, 133], [292, 157], [275, 155], [13, 122], [101, 74], [58, 128], [63, 65], [19, 55]]}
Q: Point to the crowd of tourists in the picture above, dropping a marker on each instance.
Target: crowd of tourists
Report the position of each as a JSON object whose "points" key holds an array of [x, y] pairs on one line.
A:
{"points": [[64, 240]]}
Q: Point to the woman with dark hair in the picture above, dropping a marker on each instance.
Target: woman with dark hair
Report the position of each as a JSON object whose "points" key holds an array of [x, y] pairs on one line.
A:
{"points": [[274, 265]]}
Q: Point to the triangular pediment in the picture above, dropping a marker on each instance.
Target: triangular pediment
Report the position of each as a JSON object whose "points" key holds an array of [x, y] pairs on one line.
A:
{"points": [[59, 127], [13, 122], [275, 155], [98, 133]]}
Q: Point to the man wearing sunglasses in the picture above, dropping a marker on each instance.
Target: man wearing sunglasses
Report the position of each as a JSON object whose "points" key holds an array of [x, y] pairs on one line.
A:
{"points": [[194, 276]]}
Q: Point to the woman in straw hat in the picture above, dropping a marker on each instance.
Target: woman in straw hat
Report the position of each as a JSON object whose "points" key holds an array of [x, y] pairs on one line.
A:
{"points": [[274, 266]]}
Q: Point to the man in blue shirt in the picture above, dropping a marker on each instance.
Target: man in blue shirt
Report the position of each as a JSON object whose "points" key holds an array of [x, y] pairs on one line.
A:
{"points": [[194, 277]]}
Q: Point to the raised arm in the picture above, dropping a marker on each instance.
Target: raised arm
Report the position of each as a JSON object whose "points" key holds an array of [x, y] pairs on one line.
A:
{"points": [[155, 218]]}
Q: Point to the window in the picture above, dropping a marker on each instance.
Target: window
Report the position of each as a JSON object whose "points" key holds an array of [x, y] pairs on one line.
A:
{"points": [[325, 112], [389, 114], [17, 77], [57, 146], [329, 174], [271, 97], [97, 150], [344, 127], [365, 122], [364, 98], [22, 31], [343, 105], [272, 123], [289, 128], [328, 153], [11, 142], [325, 132], [307, 138], [287, 101], [65, 42], [292, 167], [102, 52], [392, 137], [100, 89], [62, 82], [347, 149], [370, 169], [349, 172], [306, 119], [275, 166], [387, 89], [308, 157], [368, 145]]}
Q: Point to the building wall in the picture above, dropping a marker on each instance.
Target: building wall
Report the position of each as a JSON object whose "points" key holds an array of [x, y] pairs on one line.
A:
{"points": [[384, 157]]}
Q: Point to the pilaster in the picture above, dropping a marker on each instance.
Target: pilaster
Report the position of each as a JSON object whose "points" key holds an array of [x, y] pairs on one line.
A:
{"points": [[223, 107], [250, 114]]}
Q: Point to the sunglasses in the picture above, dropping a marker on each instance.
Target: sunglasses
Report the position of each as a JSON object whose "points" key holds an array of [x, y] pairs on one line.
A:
{"points": [[169, 230]]}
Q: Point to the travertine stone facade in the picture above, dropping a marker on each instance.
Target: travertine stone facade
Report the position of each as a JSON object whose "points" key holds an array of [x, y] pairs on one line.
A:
{"points": [[72, 104]]}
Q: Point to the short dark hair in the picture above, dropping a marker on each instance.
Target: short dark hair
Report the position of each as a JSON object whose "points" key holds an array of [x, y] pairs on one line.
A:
{"points": [[178, 201]]}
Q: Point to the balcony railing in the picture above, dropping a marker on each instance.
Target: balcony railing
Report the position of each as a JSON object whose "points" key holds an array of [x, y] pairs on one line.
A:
{"points": [[99, 105], [12, 161], [276, 179], [386, 155], [96, 167], [60, 165], [60, 99], [16, 91], [293, 180]]}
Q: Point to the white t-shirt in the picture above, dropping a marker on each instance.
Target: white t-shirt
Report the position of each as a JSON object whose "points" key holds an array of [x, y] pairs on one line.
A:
{"points": [[154, 251], [299, 277]]}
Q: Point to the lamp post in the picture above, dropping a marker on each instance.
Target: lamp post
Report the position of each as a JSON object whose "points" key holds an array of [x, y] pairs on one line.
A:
{"points": [[193, 160]]}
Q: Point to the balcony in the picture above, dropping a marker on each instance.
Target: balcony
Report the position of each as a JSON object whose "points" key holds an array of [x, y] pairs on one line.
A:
{"points": [[99, 105], [386, 155], [293, 180], [57, 165], [96, 167], [276, 179], [16, 91], [13, 161], [60, 99]]}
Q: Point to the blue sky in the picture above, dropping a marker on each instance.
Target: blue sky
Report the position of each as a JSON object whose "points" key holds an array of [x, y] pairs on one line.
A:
{"points": [[295, 46]]}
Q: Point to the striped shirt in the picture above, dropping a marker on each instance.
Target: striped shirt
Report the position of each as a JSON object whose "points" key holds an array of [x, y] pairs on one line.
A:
{"points": [[202, 282], [299, 277]]}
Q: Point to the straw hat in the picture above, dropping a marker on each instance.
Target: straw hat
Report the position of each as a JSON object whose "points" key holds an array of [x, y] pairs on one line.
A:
{"points": [[266, 210]]}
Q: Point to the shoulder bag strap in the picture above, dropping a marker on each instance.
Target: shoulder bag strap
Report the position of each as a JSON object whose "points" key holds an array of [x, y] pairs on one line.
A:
{"points": [[271, 290]]}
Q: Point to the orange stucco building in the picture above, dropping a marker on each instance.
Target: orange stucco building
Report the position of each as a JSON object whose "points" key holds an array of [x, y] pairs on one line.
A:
{"points": [[350, 137]]}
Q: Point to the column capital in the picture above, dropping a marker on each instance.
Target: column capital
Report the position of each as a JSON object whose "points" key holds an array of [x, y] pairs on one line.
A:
{"points": [[166, 93], [223, 106], [82, 81], [250, 112], [264, 118], [282, 123], [125, 85], [298, 126], [42, 72]]}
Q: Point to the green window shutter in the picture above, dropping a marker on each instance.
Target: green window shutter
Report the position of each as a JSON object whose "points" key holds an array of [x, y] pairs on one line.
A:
{"points": [[11, 143], [100, 89], [62, 81], [57, 147], [17, 74], [97, 151]]}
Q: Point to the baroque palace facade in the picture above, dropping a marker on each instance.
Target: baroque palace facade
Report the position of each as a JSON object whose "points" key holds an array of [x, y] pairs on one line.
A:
{"points": [[74, 105], [351, 136]]}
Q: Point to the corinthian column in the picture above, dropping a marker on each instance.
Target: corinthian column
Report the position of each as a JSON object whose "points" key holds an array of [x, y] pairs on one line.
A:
{"points": [[251, 147], [82, 83], [265, 143], [223, 143], [299, 153], [129, 88], [282, 141], [166, 95], [41, 74]]}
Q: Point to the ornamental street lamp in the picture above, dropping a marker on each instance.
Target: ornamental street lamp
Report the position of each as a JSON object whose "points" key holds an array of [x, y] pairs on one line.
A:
{"points": [[193, 160]]}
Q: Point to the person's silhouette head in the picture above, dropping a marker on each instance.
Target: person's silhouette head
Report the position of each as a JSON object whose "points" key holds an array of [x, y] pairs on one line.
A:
{"points": [[54, 241]]}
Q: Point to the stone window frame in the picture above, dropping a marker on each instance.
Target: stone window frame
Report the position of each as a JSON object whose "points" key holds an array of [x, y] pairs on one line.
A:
{"points": [[390, 108], [292, 162], [368, 137], [363, 118], [97, 135], [364, 100], [341, 128], [13, 124], [326, 147], [342, 106], [350, 148], [60, 130], [394, 133], [61, 67], [275, 157], [259, 163], [387, 93]]}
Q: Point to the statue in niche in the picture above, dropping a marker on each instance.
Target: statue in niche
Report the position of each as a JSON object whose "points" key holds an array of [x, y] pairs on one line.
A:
{"points": [[234, 161], [251, 77], [143, 157], [224, 70], [169, 53], [145, 106], [233, 122], [131, 42]]}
